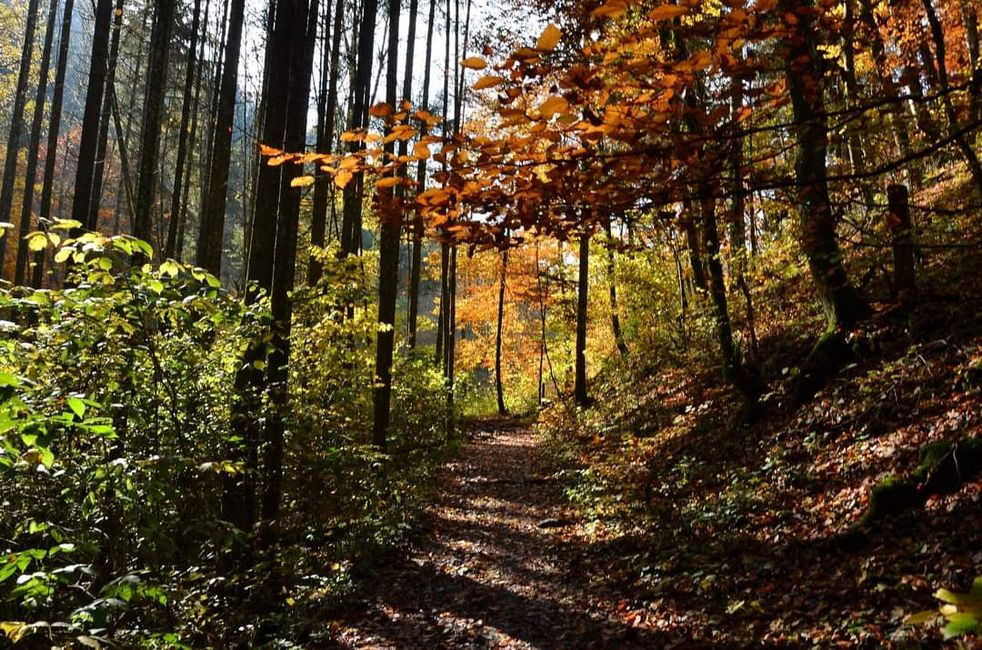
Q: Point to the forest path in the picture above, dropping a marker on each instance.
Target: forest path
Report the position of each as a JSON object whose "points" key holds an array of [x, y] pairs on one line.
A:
{"points": [[496, 565]]}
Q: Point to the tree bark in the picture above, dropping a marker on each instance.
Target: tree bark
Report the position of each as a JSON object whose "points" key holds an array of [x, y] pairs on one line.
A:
{"points": [[327, 109], [54, 127], [416, 264], [108, 100], [582, 302], [840, 299], [388, 282], [954, 126], [16, 127], [211, 234], [498, 379], [304, 28], [354, 191], [615, 318], [33, 145], [89, 142], [152, 119], [187, 105]]}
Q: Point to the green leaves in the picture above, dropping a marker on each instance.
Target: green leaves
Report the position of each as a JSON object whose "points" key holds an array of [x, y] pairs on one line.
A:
{"points": [[962, 612]]}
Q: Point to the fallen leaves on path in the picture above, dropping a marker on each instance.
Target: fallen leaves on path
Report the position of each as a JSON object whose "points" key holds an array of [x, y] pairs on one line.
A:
{"points": [[496, 566]]}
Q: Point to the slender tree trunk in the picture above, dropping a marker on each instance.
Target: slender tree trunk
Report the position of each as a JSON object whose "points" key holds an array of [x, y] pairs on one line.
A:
{"points": [[498, 380], [182, 218], [388, 283], [738, 228], [327, 109], [416, 264], [582, 302], [239, 497], [954, 126], [354, 191], [615, 318], [211, 235], [173, 225], [717, 286], [304, 27], [54, 128], [89, 142], [152, 119], [109, 97], [33, 145], [16, 127], [818, 238]]}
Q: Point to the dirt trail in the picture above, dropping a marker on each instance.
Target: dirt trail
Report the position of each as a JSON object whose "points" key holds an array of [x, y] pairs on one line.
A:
{"points": [[496, 565]]}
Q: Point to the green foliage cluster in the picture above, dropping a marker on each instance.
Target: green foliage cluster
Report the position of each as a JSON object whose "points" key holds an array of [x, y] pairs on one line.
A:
{"points": [[115, 440]]}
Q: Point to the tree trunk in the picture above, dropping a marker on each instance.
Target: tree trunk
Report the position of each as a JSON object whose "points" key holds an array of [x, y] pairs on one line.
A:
{"points": [[717, 286], [416, 264], [54, 127], [354, 191], [152, 119], [615, 318], [582, 302], [954, 126], [108, 101], [16, 128], [840, 299], [33, 145], [902, 232], [498, 380], [89, 142], [388, 281], [211, 234], [327, 109], [304, 28], [187, 105]]}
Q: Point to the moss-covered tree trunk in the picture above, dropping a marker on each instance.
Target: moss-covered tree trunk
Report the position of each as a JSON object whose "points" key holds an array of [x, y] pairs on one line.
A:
{"points": [[817, 236]]}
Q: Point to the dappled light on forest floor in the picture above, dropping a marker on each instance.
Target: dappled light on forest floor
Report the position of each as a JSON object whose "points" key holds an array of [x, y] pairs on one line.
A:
{"points": [[495, 567]]}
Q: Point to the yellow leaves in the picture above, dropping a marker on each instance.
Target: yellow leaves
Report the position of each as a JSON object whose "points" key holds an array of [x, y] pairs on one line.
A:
{"points": [[549, 39], [380, 110], [488, 82], [667, 12], [388, 181], [302, 181], [474, 63], [554, 105], [276, 161], [343, 178], [268, 152], [421, 150], [14, 630], [613, 9]]}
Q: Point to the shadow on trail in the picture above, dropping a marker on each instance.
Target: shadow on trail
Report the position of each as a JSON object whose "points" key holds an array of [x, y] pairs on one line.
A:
{"points": [[487, 571]]}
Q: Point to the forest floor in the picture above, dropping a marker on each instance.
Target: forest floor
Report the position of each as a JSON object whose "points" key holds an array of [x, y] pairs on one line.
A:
{"points": [[496, 566]]}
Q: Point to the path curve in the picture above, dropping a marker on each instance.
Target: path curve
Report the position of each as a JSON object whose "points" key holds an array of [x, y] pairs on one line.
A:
{"points": [[495, 566]]}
